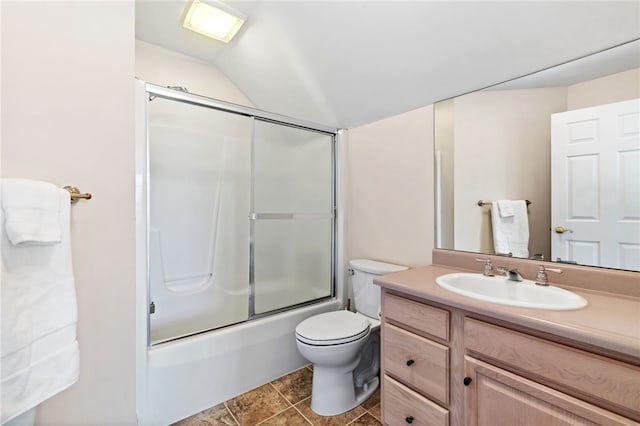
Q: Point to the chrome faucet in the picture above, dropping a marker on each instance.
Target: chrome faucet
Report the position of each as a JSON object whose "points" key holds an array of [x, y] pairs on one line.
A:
{"points": [[541, 276], [512, 274], [488, 266]]}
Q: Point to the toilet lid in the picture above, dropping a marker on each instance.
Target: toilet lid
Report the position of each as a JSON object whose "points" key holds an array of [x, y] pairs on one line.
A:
{"points": [[332, 328]]}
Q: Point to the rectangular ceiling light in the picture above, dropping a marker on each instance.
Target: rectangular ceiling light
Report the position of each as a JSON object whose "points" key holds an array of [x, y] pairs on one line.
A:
{"points": [[220, 21]]}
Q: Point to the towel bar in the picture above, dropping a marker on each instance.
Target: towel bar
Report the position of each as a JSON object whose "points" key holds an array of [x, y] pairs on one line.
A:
{"points": [[76, 194], [486, 203]]}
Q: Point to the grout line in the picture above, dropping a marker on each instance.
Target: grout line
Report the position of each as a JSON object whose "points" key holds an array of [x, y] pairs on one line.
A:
{"points": [[269, 418], [367, 412], [281, 394], [301, 413], [373, 415], [279, 412], [352, 421], [289, 408], [231, 413]]}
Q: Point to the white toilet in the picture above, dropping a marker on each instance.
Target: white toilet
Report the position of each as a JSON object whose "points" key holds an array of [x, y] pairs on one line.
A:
{"points": [[344, 347]]}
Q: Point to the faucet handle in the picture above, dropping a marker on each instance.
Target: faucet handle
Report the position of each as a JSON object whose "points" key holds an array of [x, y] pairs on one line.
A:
{"points": [[488, 266], [541, 276]]}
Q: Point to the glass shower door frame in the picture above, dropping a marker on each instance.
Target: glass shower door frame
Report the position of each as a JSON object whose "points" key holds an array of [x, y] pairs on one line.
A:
{"points": [[153, 91], [254, 216]]}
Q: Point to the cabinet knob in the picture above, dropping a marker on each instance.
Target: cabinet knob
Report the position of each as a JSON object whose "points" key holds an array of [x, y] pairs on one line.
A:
{"points": [[410, 363], [467, 381], [409, 419]]}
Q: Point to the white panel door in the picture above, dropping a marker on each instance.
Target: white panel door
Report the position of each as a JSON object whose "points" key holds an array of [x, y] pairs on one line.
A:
{"points": [[595, 185]]}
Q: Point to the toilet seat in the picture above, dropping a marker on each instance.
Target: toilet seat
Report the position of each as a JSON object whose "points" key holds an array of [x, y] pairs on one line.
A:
{"points": [[332, 328]]}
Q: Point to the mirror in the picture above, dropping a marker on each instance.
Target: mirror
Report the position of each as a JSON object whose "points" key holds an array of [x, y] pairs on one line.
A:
{"points": [[496, 144]]}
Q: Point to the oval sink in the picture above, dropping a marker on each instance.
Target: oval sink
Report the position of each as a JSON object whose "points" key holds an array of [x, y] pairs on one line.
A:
{"points": [[525, 294]]}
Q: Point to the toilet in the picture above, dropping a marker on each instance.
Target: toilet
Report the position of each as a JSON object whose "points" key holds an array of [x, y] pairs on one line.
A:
{"points": [[344, 347]]}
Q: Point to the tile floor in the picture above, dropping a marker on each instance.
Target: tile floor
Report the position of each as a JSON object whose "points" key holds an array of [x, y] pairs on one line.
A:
{"points": [[284, 401]]}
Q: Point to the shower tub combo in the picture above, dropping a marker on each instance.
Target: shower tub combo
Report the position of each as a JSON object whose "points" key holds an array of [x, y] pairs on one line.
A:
{"points": [[237, 242]]}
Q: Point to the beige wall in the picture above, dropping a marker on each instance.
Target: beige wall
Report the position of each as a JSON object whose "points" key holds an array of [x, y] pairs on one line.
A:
{"points": [[613, 88], [502, 151], [389, 189], [68, 118]]}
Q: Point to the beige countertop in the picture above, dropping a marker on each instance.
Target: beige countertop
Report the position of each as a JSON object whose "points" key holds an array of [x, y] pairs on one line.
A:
{"points": [[610, 321]]}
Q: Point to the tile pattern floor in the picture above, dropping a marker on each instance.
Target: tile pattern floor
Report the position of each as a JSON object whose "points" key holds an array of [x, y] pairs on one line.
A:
{"points": [[284, 401]]}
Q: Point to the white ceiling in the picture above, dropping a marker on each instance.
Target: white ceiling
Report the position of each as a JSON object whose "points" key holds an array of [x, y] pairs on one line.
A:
{"points": [[348, 63]]}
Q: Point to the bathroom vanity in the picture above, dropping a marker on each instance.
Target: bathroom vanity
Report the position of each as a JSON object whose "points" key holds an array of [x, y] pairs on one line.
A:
{"points": [[451, 360]]}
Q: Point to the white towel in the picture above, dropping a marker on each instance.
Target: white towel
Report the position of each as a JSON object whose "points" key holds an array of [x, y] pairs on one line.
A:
{"points": [[505, 208], [32, 211], [39, 351], [511, 234]]}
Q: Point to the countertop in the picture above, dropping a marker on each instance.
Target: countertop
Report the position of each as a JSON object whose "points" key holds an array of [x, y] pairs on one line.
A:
{"points": [[610, 321]]}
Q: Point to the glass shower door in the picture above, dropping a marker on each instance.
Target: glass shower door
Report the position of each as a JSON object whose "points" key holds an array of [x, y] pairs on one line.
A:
{"points": [[199, 195], [292, 216]]}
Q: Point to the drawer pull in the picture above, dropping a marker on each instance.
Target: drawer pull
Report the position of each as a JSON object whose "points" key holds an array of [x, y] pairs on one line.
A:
{"points": [[467, 381], [410, 363], [409, 419]]}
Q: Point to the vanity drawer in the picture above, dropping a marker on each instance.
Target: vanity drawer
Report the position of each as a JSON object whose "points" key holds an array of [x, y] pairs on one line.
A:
{"points": [[401, 406], [612, 383], [423, 318], [417, 362]]}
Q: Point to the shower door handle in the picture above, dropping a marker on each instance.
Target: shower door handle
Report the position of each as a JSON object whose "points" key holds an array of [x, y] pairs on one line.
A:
{"points": [[270, 216], [290, 216]]}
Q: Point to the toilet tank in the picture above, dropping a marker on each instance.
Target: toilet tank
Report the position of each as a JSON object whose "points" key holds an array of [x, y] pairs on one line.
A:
{"points": [[366, 295]]}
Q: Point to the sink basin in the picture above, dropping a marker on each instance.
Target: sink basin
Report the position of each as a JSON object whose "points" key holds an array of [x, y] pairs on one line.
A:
{"points": [[525, 294]]}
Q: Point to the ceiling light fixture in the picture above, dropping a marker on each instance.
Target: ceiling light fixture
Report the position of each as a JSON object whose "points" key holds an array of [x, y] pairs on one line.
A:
{"points": [[213, 19]]}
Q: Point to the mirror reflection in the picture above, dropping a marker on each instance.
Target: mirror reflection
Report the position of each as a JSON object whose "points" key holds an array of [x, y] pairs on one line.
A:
{"points": [[546, 166]]}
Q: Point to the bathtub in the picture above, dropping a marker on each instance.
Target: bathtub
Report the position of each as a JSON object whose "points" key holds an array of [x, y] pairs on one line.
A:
{"points": [[186, 376]]}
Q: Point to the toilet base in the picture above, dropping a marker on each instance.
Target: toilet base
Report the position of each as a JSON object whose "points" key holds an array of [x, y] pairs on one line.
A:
{"points": [[333, 392]]}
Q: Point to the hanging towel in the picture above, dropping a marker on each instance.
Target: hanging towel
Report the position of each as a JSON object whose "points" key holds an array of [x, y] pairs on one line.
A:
{"points": [[39, 350], [32, 211], [511, 234], [505, 207]]}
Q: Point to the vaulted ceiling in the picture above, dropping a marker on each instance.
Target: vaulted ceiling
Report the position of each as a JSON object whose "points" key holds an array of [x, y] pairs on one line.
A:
{"points": [[348, 63]]}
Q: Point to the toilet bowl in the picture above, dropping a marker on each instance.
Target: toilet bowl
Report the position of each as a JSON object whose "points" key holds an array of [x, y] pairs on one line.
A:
{"points": [[333, 342], [344, 346]]}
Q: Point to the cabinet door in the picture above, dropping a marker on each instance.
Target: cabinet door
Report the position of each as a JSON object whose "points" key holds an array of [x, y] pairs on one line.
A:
{"points": [[497, 397], [601, 381]]}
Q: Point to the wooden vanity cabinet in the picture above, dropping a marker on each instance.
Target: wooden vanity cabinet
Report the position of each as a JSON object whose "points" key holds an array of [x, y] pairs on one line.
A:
{"points": [[601, 381], [497, 397], [415, 363], [441, 366]]}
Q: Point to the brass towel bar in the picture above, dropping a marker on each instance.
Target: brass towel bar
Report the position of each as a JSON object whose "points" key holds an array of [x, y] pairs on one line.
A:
{"points": [[486, 203], [76, 194]]}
